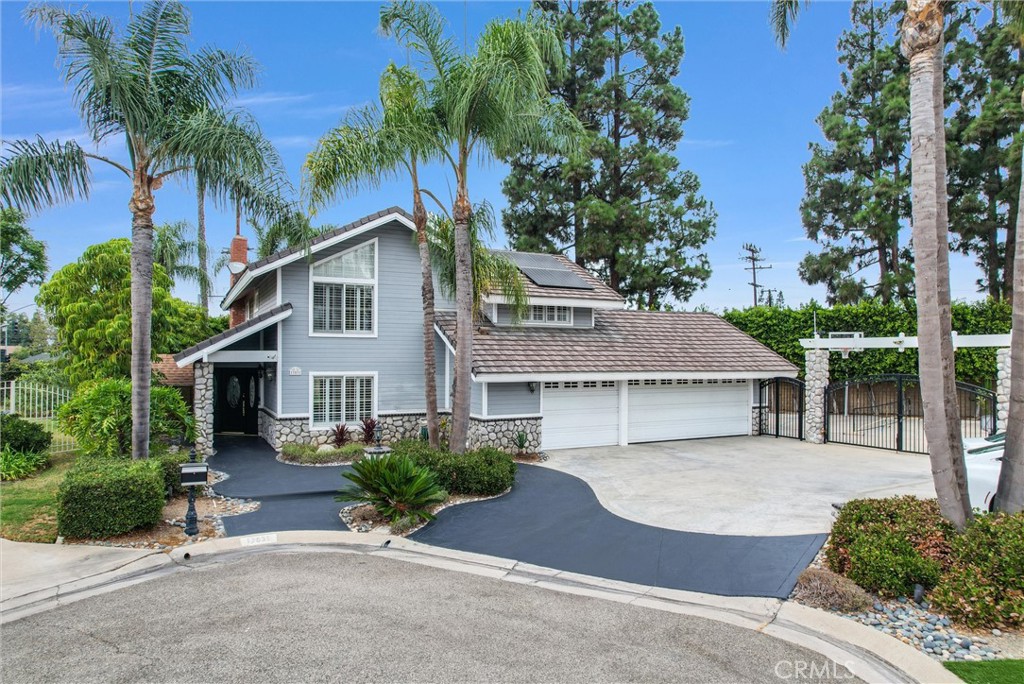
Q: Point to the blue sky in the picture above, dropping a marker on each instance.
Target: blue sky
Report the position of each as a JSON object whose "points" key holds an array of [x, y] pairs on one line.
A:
{"points": [[751, 119]]}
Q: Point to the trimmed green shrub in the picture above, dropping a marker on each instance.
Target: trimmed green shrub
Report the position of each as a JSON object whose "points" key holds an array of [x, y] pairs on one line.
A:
{"points": [[15, 465], [886, 563], [103, 498], [99, 417], [917, 521], [170, 468], [484, 472], [22, 435], [984, 587], [397, 487]]}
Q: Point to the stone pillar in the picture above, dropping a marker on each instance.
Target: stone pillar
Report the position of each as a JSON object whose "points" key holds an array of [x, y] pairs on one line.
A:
{"points": [[203, 409], [816, 379], [1002, 388]]}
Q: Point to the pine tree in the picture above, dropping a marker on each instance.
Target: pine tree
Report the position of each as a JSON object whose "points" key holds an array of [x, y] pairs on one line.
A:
{"points": [[858, 184], [625, 209], [984, 139]]}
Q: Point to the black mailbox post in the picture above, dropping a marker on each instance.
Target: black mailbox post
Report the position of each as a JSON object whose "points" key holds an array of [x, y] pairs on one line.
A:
{"points": [[193, 475]]}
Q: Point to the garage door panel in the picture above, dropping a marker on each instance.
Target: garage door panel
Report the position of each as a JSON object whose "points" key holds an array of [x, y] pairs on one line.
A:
{"points": [[580, 418], [662, 413]]}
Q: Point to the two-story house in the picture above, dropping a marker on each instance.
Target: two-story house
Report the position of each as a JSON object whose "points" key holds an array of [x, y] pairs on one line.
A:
{"points": [[332, 332]]}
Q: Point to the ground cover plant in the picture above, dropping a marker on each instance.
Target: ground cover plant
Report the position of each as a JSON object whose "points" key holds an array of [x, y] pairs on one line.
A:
{"points": [[310, 454], [395, 486], [995, 672], [889, 545], [16, 465]]}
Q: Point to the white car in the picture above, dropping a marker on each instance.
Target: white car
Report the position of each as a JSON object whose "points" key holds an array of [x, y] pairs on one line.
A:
{"points": [[983, 458]]}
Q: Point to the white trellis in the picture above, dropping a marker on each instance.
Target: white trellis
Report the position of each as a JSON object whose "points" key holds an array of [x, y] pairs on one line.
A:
{"points": [[37, 403]]}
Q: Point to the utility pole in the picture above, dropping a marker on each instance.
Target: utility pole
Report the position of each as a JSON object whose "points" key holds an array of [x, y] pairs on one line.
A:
{"points": [[753, 255]]}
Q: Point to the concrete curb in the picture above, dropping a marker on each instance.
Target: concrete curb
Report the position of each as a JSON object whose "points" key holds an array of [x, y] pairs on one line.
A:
{"points": [[875, 658]]}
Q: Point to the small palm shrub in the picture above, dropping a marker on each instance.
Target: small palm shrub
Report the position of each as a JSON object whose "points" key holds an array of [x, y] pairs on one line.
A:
{"points": [[99, 417], [15, 465], [369, 425], [23, 436], [396, 487]]}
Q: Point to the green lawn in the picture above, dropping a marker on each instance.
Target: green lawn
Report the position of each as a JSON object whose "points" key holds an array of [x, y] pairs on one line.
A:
{"points": [[28, 508], [991, 672]]}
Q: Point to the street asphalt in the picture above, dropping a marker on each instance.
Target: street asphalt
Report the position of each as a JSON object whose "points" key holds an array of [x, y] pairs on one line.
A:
{"points": [[340, 617]]}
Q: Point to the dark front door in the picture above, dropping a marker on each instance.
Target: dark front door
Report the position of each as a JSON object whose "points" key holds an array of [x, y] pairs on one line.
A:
{"points": [[237, 400]]}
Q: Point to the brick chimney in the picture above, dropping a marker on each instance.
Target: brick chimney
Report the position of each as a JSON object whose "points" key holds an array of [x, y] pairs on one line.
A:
{"points": [[239, 252]]}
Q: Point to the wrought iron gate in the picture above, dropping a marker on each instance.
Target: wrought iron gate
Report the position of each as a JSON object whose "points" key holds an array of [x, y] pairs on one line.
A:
{"points": [[885, 412], [781, 408]]}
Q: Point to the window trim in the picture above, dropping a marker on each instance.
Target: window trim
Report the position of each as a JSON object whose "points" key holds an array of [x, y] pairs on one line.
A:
{"points": [[528, 320], [374, 282], [374, 391]]}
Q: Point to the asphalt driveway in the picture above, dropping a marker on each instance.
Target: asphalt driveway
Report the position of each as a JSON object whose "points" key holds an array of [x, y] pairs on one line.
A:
{"points": [[291, 497], [741, 485]]}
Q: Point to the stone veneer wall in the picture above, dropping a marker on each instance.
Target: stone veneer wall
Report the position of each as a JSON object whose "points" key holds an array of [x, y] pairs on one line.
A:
{"points": [[816, 378], [1002, 388], [755, 420], [203, 409], [501, 433]]}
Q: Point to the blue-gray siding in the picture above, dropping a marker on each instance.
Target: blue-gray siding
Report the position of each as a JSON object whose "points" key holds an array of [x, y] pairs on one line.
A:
{"points": [[267, 288], [395, 354], [512, 399]]}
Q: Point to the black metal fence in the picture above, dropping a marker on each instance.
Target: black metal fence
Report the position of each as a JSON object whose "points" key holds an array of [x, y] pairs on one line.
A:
{"points": [[781, 408], [885, 412]]}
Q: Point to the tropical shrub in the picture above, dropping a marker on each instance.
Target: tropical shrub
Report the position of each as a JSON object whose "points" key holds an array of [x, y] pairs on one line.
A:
{"points": [[20, 435], [396, 487], [984, 587], [917, 521], [369, 425], [101, 497], [483, 472], [341, 436], [99, 417], [15, 465]]}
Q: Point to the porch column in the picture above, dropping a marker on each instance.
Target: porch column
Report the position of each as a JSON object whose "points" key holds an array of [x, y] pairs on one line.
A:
{"points": [[1002, 388], [816, 379], [203, 408]]}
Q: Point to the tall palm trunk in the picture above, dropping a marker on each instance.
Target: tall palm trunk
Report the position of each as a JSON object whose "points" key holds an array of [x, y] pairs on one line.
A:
{"points": [[1010, 493], [461, 215], [922, 45], [204, 270], [419, 217], [142, 208]]}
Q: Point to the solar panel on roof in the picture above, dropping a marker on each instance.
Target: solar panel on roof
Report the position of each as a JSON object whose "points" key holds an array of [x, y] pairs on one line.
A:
{"points": [[550, 277]]}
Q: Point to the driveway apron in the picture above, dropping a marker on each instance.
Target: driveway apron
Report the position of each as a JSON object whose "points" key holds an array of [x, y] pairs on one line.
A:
{"points": [[291, 497], [554, 520]]}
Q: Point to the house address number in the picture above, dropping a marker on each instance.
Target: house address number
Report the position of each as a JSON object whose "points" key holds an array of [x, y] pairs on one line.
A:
{"points": [[294, 370]]}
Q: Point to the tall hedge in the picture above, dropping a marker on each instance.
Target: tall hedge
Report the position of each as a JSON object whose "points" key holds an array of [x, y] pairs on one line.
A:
{"points": [[103, 498], [782, 329]]}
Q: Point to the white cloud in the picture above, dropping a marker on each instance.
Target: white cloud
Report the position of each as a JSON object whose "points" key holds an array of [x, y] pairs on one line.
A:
{"points": [[706, 143], [802, 238], [271, 98]]}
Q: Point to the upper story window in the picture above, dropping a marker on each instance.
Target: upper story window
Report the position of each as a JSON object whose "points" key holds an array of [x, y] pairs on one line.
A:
{"points": [[557, 315], [344, 292]]}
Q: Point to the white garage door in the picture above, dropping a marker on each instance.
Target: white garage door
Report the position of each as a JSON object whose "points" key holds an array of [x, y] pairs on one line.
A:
{"points": [[580, 414], [672, 410]]}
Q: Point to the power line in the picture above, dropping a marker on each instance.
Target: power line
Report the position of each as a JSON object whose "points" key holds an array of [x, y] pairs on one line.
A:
{"points": [[753, 255]]}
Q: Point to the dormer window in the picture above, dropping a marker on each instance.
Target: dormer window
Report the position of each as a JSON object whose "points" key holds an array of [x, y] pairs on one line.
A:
{"points": [[552, 315], [343, 292]]}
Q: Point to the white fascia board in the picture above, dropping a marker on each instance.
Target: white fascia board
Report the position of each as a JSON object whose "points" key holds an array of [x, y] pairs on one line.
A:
{"points": [[444, 338], [562, 301], [659, 375], [247, 277], [205, 352], [900, 342], [245, 356]]}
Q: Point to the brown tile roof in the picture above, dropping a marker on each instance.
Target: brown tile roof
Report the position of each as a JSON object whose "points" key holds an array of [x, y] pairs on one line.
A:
{"points": [[621, 342], [239, 331], [600, 291], [168, 373]]}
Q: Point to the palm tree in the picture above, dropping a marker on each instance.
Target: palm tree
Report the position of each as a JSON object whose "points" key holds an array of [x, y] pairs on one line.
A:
{"points": [[922, 45], [1010, 492], [165, 102], [489, 104], [374, 144], [176, 252], [292, 230], [491, 272]]}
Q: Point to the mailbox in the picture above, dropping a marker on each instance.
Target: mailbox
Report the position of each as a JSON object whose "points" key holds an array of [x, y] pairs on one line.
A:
{"points": [[194, 474]]}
